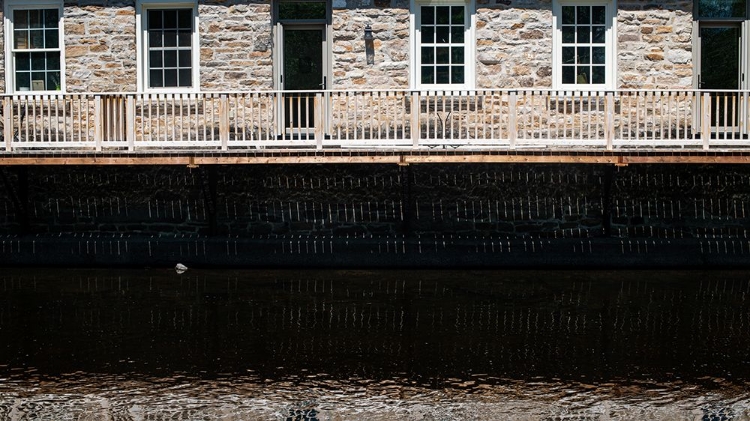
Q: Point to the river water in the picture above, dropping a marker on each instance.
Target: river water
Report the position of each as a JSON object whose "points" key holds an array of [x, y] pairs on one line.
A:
{"points": [[126, 344]]}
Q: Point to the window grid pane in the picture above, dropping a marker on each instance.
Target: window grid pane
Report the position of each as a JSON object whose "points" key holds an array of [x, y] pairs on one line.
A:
{"points": [[37, 71], [442, 46], [35, 29], [583, 45], [36, 49], [170, 48]]}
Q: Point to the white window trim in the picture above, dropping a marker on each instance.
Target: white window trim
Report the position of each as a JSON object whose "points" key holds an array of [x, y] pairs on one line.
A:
{"points": [[142, 6], [10, 62], [610, 45], [469, 49]]}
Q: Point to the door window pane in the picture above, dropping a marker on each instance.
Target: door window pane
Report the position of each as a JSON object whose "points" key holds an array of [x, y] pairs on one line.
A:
{"points": [[720, 57], [302, 10], [721, 8], [303, 59]]}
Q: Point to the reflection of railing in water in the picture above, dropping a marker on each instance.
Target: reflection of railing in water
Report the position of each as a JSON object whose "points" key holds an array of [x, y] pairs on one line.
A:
{"points": [[536, 324], [379, 119], [396, 345]]}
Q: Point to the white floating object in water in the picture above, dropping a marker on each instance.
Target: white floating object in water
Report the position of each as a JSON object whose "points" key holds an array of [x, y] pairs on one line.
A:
{"points": [[180, 268]]}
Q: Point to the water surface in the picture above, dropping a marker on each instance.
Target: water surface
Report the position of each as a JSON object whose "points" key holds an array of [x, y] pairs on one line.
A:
{"points": [[375, 345]]}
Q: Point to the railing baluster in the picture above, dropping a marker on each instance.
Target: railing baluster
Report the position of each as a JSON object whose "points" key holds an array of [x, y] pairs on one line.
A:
{"points": [[46, 99], [415, 129], [670, 103], [660, 119], [64, 129], [706, 120], [512, 129], [85, 114], [478, 115], [159, 99], [318, 107], [369, 110], [690, 115], [224, 121], [8, 122], [98, 122], [130, 122], [582, 102]]}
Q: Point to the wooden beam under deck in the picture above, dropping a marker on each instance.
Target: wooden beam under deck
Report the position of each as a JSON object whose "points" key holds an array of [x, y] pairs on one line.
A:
{"points": [[380, 157]]}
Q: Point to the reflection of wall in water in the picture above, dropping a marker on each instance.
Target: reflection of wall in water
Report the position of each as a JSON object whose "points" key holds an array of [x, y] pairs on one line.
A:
{"points": [[549, 325]]}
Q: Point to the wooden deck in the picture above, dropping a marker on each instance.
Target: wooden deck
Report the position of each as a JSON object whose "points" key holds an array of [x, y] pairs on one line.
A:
{"points": [[403, 127]]}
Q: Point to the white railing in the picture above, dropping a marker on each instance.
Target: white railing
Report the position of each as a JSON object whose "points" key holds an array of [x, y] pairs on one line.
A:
{"points": [[481, 119]]}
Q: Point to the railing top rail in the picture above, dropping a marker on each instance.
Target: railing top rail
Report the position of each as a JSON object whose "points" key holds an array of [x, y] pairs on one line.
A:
{"points": [[465, 92]]}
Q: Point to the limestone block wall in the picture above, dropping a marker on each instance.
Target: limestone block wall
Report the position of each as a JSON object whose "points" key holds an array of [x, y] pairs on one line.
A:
{"points": [[390, 27], [654, 44], [100, 46], [514, 45], [236, 50], [509, 201]]}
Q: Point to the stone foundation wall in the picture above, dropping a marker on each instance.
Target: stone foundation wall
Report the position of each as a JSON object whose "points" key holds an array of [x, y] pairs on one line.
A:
{"points": [[427, 215], [514, 201]]}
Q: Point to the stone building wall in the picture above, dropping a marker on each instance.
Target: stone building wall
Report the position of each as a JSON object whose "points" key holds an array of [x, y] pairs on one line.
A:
{"points": [[514, 45], [236, 51], [390, 27], [100, 46], [654, 45]]}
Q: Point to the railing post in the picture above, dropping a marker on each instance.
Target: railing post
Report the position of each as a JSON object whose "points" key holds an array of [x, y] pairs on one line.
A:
{"points": [[706, 119], [98, 122], [130, 122], [512, 116], [415, 129], [8, 123], [318, 120], [224, 121], [609, 119]]}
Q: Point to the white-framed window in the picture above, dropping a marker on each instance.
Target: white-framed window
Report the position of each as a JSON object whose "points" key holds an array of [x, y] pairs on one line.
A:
{"points": [[33, 47], [443, 45], [168, 46], [584, 45]]}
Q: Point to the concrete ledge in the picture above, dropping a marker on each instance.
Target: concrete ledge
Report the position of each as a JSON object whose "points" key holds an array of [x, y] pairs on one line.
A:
{"points": [[463, 155]]}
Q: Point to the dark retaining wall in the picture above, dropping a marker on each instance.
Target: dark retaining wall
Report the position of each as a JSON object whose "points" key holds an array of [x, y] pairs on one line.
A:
{"points": [[376, 215]]}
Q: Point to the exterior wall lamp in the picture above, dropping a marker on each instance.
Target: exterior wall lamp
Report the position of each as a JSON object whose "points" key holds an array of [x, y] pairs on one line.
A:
{"points": [[369, 45]]}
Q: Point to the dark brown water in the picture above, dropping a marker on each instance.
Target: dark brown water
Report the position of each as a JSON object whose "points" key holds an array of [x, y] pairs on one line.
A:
{"points": [[374, 345]]}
